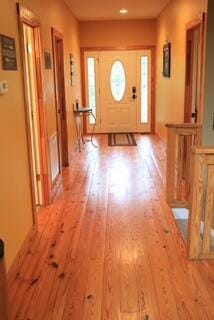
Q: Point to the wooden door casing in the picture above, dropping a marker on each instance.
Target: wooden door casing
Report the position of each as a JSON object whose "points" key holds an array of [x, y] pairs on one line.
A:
{"points": [[27, 17], [61, 116]]}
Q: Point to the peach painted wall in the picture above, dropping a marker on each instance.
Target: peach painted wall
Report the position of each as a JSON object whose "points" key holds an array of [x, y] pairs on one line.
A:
{"points": [[15, 203], [170, 92], [208, 132], [56, 14], [117, 33]]}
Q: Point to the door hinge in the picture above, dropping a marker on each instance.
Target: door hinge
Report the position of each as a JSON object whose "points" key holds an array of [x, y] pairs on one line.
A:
{"points": [[38, 177]]}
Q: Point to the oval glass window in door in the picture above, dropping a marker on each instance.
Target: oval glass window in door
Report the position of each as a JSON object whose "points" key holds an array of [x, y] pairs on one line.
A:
{"points": [[118, 80]]}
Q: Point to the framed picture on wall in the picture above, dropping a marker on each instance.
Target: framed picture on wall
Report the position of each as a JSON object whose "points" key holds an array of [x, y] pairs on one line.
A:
{"points": [[167, 60], [48, 64], [8, 53], [72, 70]]}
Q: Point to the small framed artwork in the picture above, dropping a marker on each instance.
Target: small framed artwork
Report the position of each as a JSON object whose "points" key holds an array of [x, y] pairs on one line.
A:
{"points": [[167, 60], [8, 52], [72, 70], [48, 63]]}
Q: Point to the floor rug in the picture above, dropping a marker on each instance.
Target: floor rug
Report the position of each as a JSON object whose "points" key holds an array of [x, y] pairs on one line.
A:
{"points": [[121, 139]]}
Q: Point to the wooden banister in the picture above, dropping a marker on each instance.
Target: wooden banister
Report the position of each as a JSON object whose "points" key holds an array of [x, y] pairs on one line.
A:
{"points": [[180, 139], [201, 216], [190, 184], [4, 307]]}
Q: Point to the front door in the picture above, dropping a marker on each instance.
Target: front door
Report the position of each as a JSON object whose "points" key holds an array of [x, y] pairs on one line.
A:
{"points": [[118, 88], [118, 91]]}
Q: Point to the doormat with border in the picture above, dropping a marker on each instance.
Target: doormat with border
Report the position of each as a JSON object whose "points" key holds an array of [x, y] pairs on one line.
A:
{"points": [[121, 139]]}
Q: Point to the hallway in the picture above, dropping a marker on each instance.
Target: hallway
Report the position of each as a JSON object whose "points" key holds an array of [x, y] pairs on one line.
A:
{"points": [[108, 247]]}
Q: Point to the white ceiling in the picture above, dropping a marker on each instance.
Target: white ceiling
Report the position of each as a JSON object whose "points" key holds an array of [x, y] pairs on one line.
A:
{"points": [[109, 9]]}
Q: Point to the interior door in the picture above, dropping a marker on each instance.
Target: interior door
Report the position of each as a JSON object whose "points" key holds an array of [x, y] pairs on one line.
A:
{"points": [[118, 91], [60, 100], [33, 112], [195, 44], [192, 76]]}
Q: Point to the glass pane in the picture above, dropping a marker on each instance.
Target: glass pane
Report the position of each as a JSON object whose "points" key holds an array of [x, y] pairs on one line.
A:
{"points": [[91, 87], [144, 89], [118, 81]]}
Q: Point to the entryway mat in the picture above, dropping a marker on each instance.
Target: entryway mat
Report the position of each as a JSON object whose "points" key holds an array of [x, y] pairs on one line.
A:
{"points": [[121, 139]]}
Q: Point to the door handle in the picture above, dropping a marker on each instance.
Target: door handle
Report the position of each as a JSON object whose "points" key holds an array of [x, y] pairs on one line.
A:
{"points": [[134, 90], [133, 97], [194, 115]]}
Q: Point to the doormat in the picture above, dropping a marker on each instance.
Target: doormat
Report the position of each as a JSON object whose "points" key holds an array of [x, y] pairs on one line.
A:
{"points": [[121, 139]]}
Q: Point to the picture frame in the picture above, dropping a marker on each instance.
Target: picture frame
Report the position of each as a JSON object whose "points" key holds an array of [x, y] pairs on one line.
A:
{"points": [[48, 60], [72, 70], [8, 53], [167, 60]]}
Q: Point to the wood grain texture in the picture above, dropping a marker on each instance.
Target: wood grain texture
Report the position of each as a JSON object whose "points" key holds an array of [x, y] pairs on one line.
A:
{"points": [[200, 241], [26, 17], [209, 208], [180, 139], [108, 247]]}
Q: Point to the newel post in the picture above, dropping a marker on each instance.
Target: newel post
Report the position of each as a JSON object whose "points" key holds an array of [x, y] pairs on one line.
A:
{"points": [[4, 306]]}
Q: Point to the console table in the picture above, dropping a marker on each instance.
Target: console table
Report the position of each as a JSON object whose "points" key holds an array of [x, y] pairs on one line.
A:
{"points": [[79, 125]]}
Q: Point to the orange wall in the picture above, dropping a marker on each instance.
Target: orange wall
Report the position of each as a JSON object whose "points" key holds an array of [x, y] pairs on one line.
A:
{"points": [[208, 132], [15, 204], [55, 13], [117, 33], [170, 92]]}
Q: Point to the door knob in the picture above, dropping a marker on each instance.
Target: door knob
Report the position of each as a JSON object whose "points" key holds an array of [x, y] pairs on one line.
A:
{"points": [[133, 89]]}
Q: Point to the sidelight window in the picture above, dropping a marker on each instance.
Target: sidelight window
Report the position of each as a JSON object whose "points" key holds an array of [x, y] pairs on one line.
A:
{"points": [[144, 89], [91, 87]]}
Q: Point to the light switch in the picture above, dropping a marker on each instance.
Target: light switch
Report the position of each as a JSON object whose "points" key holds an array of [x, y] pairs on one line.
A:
{"points": [[3, 87]]}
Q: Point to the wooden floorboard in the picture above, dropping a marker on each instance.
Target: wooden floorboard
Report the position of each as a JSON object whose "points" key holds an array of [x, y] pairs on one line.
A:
{"points": [[108, 247]]}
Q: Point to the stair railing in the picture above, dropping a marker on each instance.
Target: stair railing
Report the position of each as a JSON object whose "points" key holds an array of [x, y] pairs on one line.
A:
{"points": [[180, 139], [201, 214]]}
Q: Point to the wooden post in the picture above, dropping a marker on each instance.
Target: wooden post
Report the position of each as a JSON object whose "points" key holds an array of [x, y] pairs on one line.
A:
{"points": [[201, 203], [196, 205], [171, 158], [178, 162], [4, 306]]}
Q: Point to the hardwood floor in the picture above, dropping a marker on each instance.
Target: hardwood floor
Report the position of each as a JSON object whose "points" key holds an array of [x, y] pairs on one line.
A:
{"points": [[108, 248]]}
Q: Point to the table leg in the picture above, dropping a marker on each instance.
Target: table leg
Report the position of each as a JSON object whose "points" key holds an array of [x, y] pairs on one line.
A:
{"points": [[78, 128], [92, 134]]}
